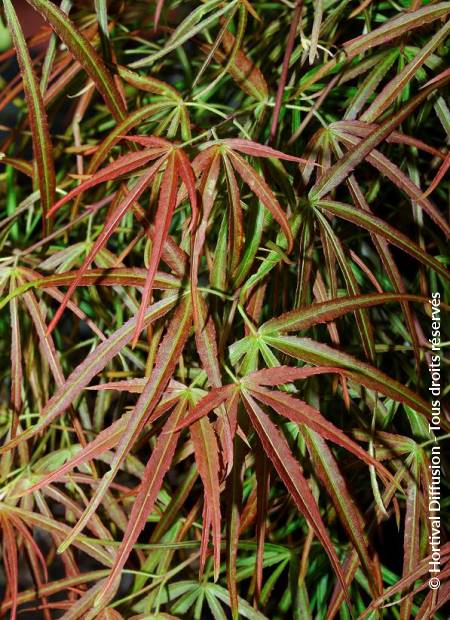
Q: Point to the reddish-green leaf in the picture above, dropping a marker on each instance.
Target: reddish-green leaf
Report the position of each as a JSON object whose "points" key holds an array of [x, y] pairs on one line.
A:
{"points": [[82, 50], [165, 363], [89, 368], [395, 27], [380, 227], [152, 479], [259, 186], [111, 223], [339, 172], [42, 144], [290, 472], [207, 458], [320, 354], [338, 490], [303, 318]]}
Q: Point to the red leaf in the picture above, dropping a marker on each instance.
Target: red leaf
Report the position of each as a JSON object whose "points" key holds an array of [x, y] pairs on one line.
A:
{"points": [[290, 472], [112, 221], [207, 458], [123, 165], [152, 480], [260, 150], [163, 218]]}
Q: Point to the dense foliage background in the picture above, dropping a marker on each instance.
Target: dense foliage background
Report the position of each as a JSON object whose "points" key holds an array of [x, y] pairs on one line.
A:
{"points": [[222, 224]]}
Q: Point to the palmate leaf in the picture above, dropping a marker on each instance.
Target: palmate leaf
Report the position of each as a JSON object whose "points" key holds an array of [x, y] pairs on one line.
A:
{"points": [[298, 411], [312, 352], [91, 366], [165, 363], [177, 166], [156, 462], [131, 120], [291, 474], [281, 402], [339, 172]]}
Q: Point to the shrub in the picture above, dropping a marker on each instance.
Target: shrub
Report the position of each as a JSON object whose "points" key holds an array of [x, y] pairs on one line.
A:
{"points": [[223, 240]]}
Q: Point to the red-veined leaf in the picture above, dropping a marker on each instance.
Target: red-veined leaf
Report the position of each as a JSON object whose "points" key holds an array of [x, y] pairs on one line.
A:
{"points": [[126, 163], [234, 489], [403, 182], [235, 219], [303, 318], [439, 176], [210, 177], [11, 563], [259, 187], [319, 354], [111, 223], [395, 27], [16, 355], [284, 374], [339, 172], [207, 458], [290, 472], [166, 360], [152, 480], [395, 86], [149, 84], [243, 71], [82, 50], [411, 549], [89, 368], [205, 405], [163, 219], [59, 530], [42, 144], [336, 249], [254, 149], [336, 487], [300, 412], [375, 225]]}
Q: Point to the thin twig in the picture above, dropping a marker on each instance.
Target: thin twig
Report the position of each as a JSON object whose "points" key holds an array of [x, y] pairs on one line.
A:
{"points": [[284, 71]]}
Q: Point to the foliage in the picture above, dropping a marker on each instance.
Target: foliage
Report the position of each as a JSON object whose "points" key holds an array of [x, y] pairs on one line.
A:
{"points": [[221, 225]]}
